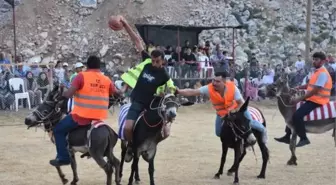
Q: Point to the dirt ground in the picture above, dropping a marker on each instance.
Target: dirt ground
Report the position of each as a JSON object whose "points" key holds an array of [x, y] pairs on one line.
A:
{"points": [[190, 156]]}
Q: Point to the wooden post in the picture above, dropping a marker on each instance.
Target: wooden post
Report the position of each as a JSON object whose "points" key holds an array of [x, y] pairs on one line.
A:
{"points": [[308, 29]]}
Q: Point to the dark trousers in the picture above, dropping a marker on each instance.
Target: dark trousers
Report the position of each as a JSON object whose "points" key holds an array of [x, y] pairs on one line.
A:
{"points": [[61, 130], [298, 116]]}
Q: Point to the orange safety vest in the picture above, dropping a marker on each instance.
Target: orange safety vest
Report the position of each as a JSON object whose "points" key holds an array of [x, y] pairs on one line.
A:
{"points": [[93, 99], [223, 104], [323, 95]]}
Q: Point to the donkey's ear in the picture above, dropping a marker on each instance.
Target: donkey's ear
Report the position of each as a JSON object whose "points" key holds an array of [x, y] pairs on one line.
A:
{"points": [[243, 108]]}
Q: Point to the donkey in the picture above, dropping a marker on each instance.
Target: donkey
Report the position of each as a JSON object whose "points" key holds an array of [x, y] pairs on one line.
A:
{"points": [[235, 130], [97, 141], [148, 132], [316, 125]]}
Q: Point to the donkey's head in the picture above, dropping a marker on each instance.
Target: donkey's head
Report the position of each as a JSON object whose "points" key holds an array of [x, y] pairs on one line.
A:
{"points": [[281, 85], [50, 111], [240, 124], [167, 106]]}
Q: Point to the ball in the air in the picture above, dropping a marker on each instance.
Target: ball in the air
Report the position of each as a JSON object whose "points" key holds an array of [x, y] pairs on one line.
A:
{"points": [[115, 23]]}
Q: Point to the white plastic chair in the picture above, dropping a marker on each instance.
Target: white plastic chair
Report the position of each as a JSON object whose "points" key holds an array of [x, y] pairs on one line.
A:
{"points": [[14, 84], [207, 72], [172, 72]]}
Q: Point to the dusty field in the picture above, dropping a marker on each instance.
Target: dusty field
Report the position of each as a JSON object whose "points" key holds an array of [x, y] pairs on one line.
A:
{"points": [[190, 156]]}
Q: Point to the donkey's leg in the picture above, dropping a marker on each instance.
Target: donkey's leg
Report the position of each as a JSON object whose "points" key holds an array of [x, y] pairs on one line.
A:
{"points": [[61, 175], [265, 157], [223, 159], [116, 164], [134, 166], [97, 153], [74, 168], [292, 147], [238, 154], [151, 169], [123, 153], [233, 167]]}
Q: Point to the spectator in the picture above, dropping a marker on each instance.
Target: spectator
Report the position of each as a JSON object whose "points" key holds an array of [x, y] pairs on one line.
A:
{"points": [[43, 84], [65, 66], [3, 60], [186, 47], [169, 50], [176, 56], [299, 64], [19, 71], [253, 61], [59, 72], [190, 61], [6, 96], [78, 68], [207, 48], [35, 95], [150, 47], [35, 69]]}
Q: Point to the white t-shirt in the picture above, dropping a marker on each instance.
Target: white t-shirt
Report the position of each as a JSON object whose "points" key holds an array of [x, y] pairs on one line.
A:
{"points": [[267, 79], [60, 74], [299, 65]]}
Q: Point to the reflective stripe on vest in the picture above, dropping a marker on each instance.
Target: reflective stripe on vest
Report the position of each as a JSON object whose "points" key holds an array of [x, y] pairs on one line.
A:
{"points": [[323, 94], [223, 104], [93, 99]]}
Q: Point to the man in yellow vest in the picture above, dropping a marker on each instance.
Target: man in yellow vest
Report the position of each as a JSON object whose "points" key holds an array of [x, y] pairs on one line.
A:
{"points": [[147, 78], [225, 97], [91, 90], [318, 94]]}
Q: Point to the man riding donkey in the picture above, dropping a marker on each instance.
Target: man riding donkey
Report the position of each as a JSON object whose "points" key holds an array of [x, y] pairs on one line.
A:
{"points": [[225, 98], [91, 90], [147, 79], [318, 94]]}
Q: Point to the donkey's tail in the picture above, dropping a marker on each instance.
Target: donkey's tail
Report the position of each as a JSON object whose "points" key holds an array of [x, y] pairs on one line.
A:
{"points": [[113, 137]]}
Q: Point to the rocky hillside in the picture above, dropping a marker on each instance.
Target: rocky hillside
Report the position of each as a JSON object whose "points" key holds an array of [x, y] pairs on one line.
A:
{"points": [[66, 30]]}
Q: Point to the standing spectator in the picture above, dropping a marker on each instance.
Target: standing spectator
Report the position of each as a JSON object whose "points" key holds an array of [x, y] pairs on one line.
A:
{"points": [[43, 84], [253, 61], [190, 62], [207, 48], [78, 68], [35, 95], [186, 46], [299, 64], [59, 72]]}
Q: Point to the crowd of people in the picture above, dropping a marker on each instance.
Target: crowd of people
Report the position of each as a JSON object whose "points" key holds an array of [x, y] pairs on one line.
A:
{"points": [[37, 79], [253, 78], [185, 63]]}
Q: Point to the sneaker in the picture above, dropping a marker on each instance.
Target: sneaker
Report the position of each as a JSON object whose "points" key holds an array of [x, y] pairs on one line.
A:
{"points": [[303, 142], [285, 139], [56, 162], [129, 155]]}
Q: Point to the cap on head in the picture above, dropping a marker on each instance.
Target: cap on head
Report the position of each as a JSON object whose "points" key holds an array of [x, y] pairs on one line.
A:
{"points": [[79, 64]]}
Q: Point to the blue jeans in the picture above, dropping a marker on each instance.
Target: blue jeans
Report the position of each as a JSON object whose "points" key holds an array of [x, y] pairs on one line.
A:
{"points": [[298, 116], [254, 124], [61, 130]]}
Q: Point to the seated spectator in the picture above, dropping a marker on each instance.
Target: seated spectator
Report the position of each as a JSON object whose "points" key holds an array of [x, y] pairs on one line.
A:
{"points": [[175, 57], [35, 69], [4, 60], [6, 96], [35, 95], [43, 84], [19, 71]]}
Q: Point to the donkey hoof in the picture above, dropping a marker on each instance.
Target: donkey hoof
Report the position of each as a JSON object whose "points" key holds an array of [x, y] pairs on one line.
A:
{"points": [[291, 163], [229, 172], [261, 176], [236, 183], [137, 181], [217, 176], [65, 181], [73, 182]]}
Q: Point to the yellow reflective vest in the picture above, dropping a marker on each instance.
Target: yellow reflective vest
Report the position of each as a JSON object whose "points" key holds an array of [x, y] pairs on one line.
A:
{"points": [[131, 77]]}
